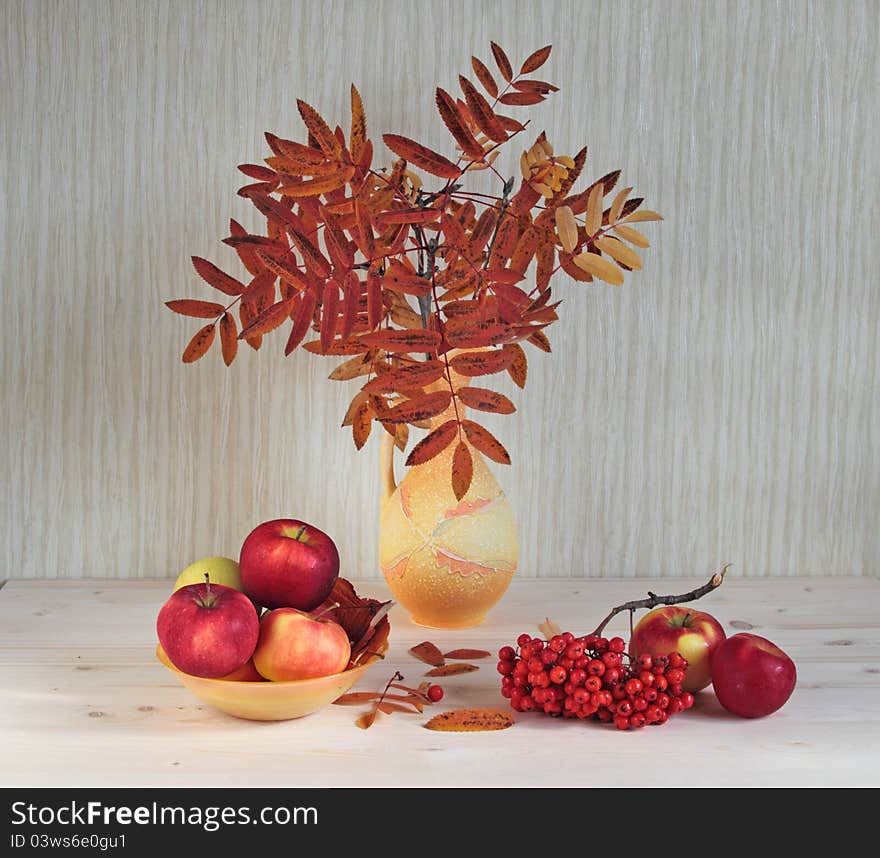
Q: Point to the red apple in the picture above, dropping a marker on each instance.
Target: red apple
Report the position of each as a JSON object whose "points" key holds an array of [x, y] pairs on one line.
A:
{"points": [[751, 676], [293, 645], [694, 634], [208, 630], [288, 564]]}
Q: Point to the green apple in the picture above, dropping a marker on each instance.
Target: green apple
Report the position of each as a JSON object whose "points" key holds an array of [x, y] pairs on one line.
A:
{"points": [[221, 570]]}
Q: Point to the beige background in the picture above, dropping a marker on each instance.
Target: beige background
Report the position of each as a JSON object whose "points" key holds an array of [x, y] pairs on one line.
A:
{"points": [[721, 407]]}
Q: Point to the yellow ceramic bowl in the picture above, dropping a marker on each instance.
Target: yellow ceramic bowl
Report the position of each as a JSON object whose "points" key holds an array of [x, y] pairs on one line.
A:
{"points": [[270, 701]]}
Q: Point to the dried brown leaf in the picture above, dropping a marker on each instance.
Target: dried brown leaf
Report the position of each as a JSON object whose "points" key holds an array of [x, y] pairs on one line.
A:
{"points": [[484, 76], [200, 343], [228, 338], [467, 654], [632, 235], [470, 721], [428, 653], [485, 442], [452, 669], [433, 443], [536, 60], [462, 470], [502, 61]]}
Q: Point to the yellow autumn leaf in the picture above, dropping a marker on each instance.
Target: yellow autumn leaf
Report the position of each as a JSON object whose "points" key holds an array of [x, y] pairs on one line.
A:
{"points": [[617, 205], [599, 267], [594, 208], [566, 228], [619, 251], [633, 236], [642, 215]]}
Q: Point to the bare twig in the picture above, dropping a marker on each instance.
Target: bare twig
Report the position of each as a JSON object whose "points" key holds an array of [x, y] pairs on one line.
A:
{"points": [[653, 599]]}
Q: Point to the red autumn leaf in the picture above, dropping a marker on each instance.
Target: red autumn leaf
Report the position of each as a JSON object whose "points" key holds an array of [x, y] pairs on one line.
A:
{"points": [[462, 470], [361, 424], [540, 86], [406, 377], [280, 267], [506, 276], [255, 171], [484, 76], [467, 654], [337, 347], [366, 239], [212, 275], [472, 364], [314, 260], [483, 114], [428, 653], [398, 279], [455, 122], [485, 400], [518, 367], [418, 408], [375, 305], [293, 149], [527, 245], [502, 62], [504, 242], [536, 60], [319, 130], [421, 156], [355, 698], [319, 185], [268, 319], [485, 442], [199, 344], [452, 669], [453, 232], [195, 309], [539, 339], [521, 98], [228, 338], [329, 312], [480, 334], [413, 216], [350, 304], [433, 443], [236, 230], [358, 136], [402, 341]]}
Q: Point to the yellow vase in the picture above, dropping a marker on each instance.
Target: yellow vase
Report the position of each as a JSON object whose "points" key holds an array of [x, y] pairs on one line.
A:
{"points": [[446, 561]]}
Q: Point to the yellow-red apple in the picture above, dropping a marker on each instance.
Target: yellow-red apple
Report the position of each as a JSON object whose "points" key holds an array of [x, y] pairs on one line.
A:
{"points": [[294, 645], [208, 630], [694, 634], [287, 563], [752, 677]]}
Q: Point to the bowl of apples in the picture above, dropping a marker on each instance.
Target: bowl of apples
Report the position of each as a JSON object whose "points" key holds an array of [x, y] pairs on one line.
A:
{"points": [[275, 636]]}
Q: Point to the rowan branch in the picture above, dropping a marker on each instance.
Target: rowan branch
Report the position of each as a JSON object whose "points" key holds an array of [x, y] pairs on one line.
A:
{"points": [[654, 600]]}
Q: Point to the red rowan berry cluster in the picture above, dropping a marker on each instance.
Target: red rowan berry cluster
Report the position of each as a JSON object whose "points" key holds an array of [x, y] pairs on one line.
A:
{"points": [[592, 677]]}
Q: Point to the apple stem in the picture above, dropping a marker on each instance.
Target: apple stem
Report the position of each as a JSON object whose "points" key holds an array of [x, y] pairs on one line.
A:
{"points": [[208, 583], [331, 607], [302, 530], [653, 599]]}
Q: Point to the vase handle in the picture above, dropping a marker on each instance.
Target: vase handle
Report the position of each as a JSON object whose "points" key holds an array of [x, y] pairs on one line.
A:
{"points": [[386, 462]]}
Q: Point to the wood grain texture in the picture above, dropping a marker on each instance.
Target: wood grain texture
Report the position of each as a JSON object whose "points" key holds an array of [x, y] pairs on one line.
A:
{"points": [[96, 708], [721, 407]]}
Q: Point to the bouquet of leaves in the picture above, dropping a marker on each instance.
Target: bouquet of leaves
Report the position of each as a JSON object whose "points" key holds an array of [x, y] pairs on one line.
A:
{"points": [[409, 275]]}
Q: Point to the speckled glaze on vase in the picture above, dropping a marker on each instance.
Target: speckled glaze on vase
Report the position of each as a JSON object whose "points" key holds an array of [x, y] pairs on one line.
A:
{"points": [[446, 561]]}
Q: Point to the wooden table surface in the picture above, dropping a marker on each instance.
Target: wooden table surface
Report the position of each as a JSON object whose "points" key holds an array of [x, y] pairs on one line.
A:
{"points": [[84, 702]]}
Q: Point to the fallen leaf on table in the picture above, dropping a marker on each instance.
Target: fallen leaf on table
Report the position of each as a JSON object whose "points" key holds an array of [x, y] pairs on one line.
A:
{"points": [[470, 721], [428, 653], [355, 698], [467, 654], [452, 669], [366, 720], [548, 628]]}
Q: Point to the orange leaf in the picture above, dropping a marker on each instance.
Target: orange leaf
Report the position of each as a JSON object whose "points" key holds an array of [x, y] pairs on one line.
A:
{"points": [[320, 185], [470, 721], [329, 312], [462, 470], [199, 344], [337, 347], [433, 443], [280, 267], [292, 149], [355, 698], [268, 319], [361, 424], [502, 62], [599, 267], [366, 239], [619, 251], [228, 338], [428, 653], [481, 334], [314, 260], [302, 319], [417, 216], [421, 156], [483, 114], [406, 377], [518, 368], [399, 280], [236, 230], [536, 60], [319, 129], [485, 400], [212, 275], [357, 366], [402, 341], [485, 442], [468, 654], [481, 363], [505, 241], [352, 298], [642, 216], [453, 232], [484, 76], [367, 719], [455, 122], [452, 670], [358, 135], [539, 339], [521, 98], [419, 408], [195, 309]]}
